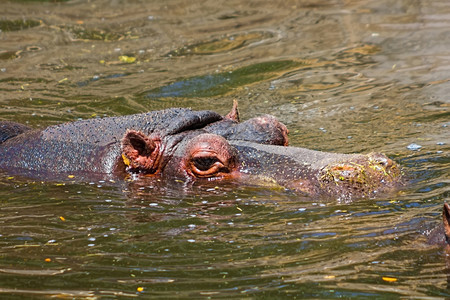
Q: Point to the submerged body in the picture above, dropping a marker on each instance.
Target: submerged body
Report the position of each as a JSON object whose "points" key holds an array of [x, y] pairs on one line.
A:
{"points": [[194, 145]]}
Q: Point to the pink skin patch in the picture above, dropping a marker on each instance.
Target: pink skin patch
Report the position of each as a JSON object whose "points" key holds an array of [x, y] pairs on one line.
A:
{"points": [[209, 155], [141, 152]]}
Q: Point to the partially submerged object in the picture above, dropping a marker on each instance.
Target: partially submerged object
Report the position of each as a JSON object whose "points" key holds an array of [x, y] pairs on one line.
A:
{"points": [[440, 235], [192, 145]]}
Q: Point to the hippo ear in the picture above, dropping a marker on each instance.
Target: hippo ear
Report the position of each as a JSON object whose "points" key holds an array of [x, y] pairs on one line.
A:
{"points": [[446, 219], [139, 152], [234, 113]]}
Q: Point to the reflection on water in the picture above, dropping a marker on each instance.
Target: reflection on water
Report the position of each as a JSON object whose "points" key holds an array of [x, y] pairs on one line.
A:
{"points": [[221, 83], [224, 44], [347, 77], [14, 25]]}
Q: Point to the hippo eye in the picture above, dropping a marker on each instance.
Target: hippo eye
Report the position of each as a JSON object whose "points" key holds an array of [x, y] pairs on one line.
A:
{"points": [[209, 156], [206, 165]]}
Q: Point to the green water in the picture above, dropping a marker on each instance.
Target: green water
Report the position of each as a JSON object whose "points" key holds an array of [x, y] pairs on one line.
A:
{"points": [[346, 77]]}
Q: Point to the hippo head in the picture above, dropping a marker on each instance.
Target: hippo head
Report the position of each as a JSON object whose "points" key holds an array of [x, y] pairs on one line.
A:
{"points": [[203, 155], [222, 147], [195, 153]]}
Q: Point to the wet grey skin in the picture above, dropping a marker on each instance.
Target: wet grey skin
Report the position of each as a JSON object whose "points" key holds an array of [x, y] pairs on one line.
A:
{"points": [[195, 146], [440, 235]]}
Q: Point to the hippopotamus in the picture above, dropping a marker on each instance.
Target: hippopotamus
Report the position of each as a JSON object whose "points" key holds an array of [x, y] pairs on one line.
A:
{"points": [[193, 146], [440, 235]]}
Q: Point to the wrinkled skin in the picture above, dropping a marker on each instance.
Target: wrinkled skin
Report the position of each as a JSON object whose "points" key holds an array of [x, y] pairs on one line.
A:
{"points": [[193, 146]]}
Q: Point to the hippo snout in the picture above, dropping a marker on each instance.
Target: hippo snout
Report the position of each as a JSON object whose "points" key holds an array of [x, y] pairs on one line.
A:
{"points": [[380, 159], [363, 175]]}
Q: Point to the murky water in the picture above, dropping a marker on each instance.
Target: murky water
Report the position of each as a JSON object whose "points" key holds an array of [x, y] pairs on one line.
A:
{"points": [[344, 76]]}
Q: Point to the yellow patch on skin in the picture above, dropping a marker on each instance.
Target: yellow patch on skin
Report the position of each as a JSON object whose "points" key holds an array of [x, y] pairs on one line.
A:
{"points": [[354, 173], [125, 159]]}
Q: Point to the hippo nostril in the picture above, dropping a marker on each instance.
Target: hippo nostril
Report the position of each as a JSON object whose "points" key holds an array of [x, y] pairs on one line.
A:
{"points": [[383, 162], [380, 159], [388, 163]]}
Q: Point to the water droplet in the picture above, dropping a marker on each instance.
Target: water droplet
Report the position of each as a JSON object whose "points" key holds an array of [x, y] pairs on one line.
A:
{"points": [[414, 147]]}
